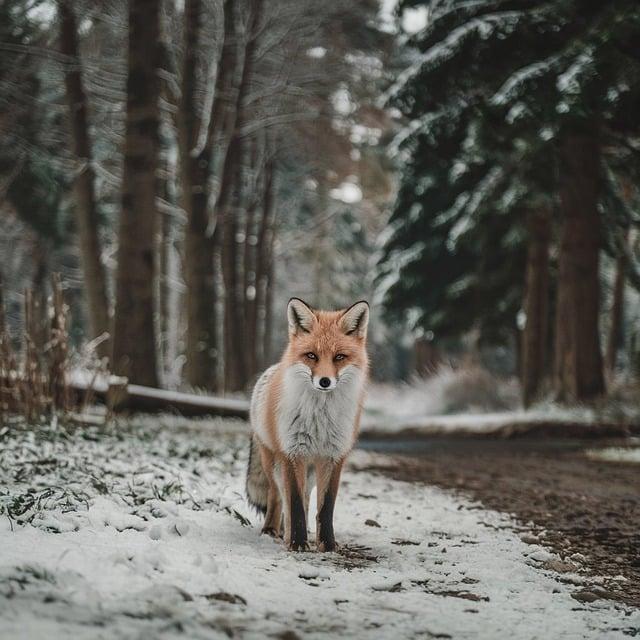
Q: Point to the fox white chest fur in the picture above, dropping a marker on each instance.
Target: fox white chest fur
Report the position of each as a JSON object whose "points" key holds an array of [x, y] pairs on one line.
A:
{"points": [[315, 423], [310, 423]]}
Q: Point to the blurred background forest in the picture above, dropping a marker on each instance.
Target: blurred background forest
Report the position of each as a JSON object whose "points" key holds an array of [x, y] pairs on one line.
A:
{"points": [[471, 168]]}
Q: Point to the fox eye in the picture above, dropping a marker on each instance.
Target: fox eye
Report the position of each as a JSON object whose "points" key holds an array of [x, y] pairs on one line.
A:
{"points": [[340, 356], [311, 355]]}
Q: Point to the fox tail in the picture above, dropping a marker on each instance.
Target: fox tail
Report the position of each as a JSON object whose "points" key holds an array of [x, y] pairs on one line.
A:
{"points": [[257, 485]]}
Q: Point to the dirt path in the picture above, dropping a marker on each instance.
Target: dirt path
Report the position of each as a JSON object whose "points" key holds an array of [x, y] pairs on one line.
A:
{"points": [[577, 505]]}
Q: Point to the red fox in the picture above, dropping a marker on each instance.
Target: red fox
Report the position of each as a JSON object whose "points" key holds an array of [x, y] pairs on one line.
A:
{"points": [[305, 417]]}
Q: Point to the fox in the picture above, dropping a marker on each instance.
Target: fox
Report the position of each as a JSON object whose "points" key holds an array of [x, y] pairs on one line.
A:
{"points": [[305, 418]]}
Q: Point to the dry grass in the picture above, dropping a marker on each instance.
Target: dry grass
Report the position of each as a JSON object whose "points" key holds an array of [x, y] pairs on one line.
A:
{"points": [[33, 379]]}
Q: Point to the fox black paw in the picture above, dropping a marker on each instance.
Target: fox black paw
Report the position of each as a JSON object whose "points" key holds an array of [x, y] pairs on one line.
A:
{"points": [[270, 531], [327, 545], [299, 546]]}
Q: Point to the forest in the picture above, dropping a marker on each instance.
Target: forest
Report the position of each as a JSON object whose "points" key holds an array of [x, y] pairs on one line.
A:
{"points": [[190, 188], [186, 167]]}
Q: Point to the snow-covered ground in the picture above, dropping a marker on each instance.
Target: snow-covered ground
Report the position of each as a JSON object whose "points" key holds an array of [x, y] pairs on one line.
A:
{"points": [[617, 454], [142, 531], [472, 401]]}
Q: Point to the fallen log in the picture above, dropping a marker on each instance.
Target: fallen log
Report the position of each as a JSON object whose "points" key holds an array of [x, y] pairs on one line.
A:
{"points": [[136, 398], [121, 397]]}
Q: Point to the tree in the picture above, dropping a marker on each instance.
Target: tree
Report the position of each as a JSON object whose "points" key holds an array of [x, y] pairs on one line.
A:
{"points": [[578, 365], [536, 304], [196, 171], [86, 210], [536, 80], [134, 343]]}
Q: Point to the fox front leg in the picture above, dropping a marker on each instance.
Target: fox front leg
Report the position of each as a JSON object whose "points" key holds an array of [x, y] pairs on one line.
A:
{"points": [[328, 480], [295, 519]]}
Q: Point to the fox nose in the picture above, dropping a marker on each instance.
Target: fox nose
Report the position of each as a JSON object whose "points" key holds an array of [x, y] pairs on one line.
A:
{"points": [[324, 382]]}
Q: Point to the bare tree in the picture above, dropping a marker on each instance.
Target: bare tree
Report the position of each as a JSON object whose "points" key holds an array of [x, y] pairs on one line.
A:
{"points": [[134, 348], [231, 198], [86, 211], [195, 165]]}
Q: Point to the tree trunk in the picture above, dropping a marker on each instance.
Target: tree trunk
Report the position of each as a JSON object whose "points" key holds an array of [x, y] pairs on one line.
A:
{"points": [[578, 366], [614, 339], [202, 350], [228, 207], [264, 266], [235, 370], [134, 348], [86, 213], [536, 304], [267, 338], [249, 285]]}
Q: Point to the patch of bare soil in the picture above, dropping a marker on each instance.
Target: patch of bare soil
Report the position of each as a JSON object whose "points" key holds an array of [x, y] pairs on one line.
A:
{"points": [[587, 511]]}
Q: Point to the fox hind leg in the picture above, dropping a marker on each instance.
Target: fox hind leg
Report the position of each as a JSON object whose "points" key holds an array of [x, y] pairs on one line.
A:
{"points": [[273, 515]]}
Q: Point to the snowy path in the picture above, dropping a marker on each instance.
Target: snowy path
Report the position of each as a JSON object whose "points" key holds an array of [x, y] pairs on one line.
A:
{"points": [[143, 536]]}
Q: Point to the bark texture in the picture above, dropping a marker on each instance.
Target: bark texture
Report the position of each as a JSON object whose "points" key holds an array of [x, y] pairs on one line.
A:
{"points": [[536, 304], [86, 212], [134, 348], [201, 364], [229, 207], [614, 339], [265, 267], [578, 359]]}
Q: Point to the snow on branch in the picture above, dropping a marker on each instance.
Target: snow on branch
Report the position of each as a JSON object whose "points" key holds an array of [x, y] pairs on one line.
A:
{"points": [[514, 84], [446, 49], [471, 202]]}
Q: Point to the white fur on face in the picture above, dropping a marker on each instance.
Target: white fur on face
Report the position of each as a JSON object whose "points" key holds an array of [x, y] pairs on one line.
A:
{"points": [[312, 423]]}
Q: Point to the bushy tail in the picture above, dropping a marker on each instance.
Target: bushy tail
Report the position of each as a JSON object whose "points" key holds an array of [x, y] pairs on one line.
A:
{"points": [[257, 486]]}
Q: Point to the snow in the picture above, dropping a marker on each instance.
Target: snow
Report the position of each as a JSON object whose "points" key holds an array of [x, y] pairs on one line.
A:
{"points": [[154, 539], [569, 81], [445, 49], [316, 52], [348, 192], [414, 19], [616, 454], [495, 423], [514, 83]]}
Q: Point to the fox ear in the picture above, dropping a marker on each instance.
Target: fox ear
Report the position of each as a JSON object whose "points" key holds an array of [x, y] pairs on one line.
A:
{"points": [[355, 319], [300, 316]]}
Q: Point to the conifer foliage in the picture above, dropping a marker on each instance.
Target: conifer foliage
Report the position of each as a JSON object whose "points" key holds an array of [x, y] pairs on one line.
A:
{"points": [[516, 111]]}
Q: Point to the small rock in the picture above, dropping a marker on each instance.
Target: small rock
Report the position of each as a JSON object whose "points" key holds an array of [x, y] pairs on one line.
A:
{"points": [[309, 573], [578, 557], [529, 539], [371, 523], [541, 556], [387, 585], [585, 596], [559, 566]]}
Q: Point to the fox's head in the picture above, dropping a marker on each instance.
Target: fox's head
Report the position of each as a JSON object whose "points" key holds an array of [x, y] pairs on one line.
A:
{"points": [[328, 346]]}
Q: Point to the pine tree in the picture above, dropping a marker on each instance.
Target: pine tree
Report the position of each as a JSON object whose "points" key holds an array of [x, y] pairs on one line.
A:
{"points": [[527, 86]]}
